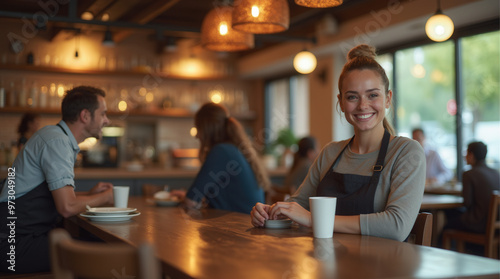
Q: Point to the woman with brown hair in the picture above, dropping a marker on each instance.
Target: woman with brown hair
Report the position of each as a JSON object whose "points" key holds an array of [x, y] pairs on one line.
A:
{"points": [[377, 177], [232, 176], [30, 123]]}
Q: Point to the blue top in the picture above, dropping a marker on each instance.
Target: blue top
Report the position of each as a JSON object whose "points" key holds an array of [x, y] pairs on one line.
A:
{"points": [[49, 155], [227, 181]]}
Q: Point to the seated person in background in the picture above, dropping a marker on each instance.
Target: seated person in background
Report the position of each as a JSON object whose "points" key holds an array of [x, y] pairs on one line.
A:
{"points": [[30, 123], [378, 178], [44, 185], [436, 172], [478, 185], [302, 161], [231, 176]]}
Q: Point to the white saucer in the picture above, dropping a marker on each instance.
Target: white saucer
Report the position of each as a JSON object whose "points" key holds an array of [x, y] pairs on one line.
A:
{"points": [[278, 224], [167, 202], [112, 218], [110, 211]]}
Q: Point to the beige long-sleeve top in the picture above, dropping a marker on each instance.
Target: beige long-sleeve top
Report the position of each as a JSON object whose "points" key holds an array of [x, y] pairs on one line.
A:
{"points": [[399, 191]]}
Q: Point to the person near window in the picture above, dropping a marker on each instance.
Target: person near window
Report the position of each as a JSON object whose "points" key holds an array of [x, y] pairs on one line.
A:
{"points": [[232, 177], [40, 186], [30, 123], [478, 184], [436, 173], [378, 178], [302, 160]]}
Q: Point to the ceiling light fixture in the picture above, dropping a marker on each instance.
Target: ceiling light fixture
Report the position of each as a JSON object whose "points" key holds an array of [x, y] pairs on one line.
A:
{"points": [[218, 35], [439, 27], [87, 16], [304, 62], [108, 39], [261, 16], [319, 3], [171, 45], [105, 17]]}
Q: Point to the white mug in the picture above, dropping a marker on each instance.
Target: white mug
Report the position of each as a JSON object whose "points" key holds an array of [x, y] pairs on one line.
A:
{"points": [[323, 215], [121, 196]]}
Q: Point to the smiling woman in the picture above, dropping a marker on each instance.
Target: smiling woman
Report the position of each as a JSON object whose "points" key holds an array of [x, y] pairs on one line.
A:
{"points": [[378, 178]]}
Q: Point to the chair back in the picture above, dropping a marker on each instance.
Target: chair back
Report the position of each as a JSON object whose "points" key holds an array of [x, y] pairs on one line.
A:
{"points": [[78, 259], [421, 233], [493, 221], [149, 190]]}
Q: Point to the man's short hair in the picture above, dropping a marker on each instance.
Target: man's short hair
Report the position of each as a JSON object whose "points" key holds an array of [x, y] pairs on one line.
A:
{"points": [[478, 149], [78, 99], [418, 130]]}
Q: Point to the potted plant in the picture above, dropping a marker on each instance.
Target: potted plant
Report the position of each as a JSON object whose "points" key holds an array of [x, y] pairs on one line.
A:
{"points": [[286, 138]]}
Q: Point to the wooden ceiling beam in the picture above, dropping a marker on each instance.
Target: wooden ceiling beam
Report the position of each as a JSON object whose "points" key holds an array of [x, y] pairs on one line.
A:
{"points": [[151, 12], [99, 7], [120, 8], [58, 33]]}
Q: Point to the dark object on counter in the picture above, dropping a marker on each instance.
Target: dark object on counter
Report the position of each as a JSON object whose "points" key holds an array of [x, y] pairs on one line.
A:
{"points": [[30, 59]]}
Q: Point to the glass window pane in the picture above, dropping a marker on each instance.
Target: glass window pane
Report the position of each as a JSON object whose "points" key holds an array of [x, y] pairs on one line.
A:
{"points": [[386, 61], [481, 113], [279, 109], [299, 95], [426, 96]]}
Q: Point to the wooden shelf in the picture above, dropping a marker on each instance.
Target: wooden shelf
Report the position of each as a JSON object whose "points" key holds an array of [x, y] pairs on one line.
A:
{"points": [[139, 72], [172, 112]]}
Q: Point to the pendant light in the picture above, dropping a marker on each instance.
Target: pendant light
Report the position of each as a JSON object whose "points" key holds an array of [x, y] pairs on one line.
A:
{"points": [[108, 39], [218, 35], [319, 3], [261, 16], [439, 27], [304, 62]]}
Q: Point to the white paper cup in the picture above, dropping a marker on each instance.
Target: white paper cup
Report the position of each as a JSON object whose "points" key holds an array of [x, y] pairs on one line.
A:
{"points": [[121, 196], [323, 216]]}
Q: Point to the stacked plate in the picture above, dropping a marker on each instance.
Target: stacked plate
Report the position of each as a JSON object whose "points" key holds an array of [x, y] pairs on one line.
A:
{"points": [[110, 214], [163, 198]]}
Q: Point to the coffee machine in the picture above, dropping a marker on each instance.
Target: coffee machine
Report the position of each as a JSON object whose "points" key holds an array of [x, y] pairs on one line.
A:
{"points": [[104, 152]]}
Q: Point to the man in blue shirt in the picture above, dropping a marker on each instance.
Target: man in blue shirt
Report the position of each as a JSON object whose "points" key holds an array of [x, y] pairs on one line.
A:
{"points": [[40, 186], [436, 172]]}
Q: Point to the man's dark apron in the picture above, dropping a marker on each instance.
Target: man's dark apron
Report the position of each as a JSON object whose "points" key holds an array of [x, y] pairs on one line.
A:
{"points": [[36, 215], [355, 193]]}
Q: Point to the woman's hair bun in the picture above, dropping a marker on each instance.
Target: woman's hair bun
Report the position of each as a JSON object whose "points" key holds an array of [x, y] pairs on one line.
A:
{"points": [[361, 51]]}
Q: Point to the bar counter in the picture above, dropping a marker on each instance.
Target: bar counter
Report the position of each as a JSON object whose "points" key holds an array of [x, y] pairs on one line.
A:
{"points": [[150, 172], [175, 178], [221, 244]]}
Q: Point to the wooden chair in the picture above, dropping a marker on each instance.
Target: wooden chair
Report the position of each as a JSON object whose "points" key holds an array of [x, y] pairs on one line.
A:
{"points": [[421, 233], [490, 239], [149, 190], [75, 259]]}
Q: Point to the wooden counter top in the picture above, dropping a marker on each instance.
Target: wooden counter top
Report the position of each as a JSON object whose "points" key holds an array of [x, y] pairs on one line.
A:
{"points": [[220, 244]]}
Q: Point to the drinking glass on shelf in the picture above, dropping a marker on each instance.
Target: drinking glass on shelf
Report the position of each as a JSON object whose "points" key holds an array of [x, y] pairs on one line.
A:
{"points": [[46, 60], [4, 58], [111, 63], [55, 61], [44, 94], [102, 63]]}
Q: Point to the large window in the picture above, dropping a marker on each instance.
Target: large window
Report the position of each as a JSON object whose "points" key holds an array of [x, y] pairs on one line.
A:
{"points": [[481, 107], [426, 95], [425, 91], [287, 102]]}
